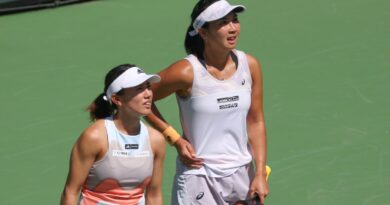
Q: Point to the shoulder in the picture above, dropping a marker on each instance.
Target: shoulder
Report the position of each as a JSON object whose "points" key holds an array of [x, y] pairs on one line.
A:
{"points": [[156, 137], [93, 137], [253, 62], [157, 140], [255, 69], [181, 69], [177, 77], [95, 130], [254, 65]]}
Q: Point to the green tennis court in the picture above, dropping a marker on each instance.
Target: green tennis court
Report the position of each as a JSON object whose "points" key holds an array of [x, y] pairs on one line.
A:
{"points": [[326, 67]]}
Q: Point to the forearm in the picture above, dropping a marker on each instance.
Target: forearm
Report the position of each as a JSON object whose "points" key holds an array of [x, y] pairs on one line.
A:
{"points": [[154, 197], [258, 142], [69, 198], [156, 120]]}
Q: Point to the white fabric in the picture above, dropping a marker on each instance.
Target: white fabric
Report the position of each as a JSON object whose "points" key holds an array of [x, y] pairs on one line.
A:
{"points": [[126, 166], [201, 189], [213, 119], [214, 12], [130, 78]]}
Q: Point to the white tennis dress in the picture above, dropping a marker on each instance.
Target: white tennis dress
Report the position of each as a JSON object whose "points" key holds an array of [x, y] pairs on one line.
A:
{"points": [[213, 119], [124, 172]]}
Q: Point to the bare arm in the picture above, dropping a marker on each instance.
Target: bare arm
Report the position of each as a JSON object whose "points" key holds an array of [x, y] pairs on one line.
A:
{"points": [[177, 78], [84, 153], [257, 132], [154, 191]]}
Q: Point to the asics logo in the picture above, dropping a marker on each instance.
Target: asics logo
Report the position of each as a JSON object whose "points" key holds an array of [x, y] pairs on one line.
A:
{"points": [[200, 195]]}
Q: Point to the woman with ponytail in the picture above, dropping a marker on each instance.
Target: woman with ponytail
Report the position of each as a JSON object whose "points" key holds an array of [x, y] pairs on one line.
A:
{"points": [[222, 151], [118, 159]]}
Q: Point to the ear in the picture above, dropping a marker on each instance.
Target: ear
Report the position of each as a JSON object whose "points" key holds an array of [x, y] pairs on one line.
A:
{"points": [[115, 99], [203, 34]]}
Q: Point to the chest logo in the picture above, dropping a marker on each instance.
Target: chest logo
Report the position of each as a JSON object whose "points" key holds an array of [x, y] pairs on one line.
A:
{"points": [[228, 99], [131, 146], [228, 102]]}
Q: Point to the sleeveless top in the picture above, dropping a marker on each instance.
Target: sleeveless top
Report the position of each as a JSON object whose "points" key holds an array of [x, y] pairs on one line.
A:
{"points": [[122, 175], [213, 119]]}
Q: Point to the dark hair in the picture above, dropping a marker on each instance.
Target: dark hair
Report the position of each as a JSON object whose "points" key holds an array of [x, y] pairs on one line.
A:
{"points": [[194, 44], [101, 108]]}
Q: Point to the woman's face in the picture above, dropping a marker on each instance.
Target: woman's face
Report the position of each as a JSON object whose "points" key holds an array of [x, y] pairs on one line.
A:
{"points": [[136, 100], [223, 32]]}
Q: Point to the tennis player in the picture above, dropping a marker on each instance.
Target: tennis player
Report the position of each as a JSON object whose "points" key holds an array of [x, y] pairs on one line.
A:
{"points": [[219, 94], [118, 159]]}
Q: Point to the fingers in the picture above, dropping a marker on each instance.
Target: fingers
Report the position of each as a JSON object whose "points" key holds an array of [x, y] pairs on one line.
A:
{"points": [[252, 194], [191, 162], [191, 150], [262, 199], [187, 154], [261, 196], [260, 192]]}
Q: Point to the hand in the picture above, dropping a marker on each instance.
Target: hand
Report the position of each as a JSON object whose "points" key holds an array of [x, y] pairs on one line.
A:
{"points": [[187, 154], [260, 187]]}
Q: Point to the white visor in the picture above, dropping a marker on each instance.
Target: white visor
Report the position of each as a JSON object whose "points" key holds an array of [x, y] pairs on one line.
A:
{"points": [[130, 78], [214, 12]]}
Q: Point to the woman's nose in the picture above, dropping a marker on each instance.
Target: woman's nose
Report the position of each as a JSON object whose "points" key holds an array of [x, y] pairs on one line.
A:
{"points": [[148, 92], [232, 26]]}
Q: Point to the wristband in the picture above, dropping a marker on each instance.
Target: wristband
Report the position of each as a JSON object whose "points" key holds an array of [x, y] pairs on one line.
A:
{"points": [[171, 135]]}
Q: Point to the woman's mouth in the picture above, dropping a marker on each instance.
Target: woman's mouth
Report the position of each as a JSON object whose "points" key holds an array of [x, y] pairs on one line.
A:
{"points": [[232, 39], [148, 104]]}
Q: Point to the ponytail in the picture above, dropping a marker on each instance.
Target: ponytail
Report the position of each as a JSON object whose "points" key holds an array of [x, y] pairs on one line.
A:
{"points": [[100, 108], [193, 44]]}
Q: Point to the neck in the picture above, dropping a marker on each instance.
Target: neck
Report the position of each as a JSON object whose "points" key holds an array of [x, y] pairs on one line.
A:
{"points": [[216, 58], [126, 124]]}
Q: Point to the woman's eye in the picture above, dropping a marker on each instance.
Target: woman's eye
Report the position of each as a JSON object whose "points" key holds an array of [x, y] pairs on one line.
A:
{"points": [[143, 87], [224, 22], [139, 88]]}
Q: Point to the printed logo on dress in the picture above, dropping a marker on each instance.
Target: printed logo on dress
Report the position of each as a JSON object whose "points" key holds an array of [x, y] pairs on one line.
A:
{"points": [[199, 196], [229, 101], [233, 105], [131, 146], [126, 154], [243, 82]]}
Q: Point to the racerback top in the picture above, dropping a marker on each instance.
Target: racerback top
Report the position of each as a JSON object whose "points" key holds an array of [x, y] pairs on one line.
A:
{"points": [[213, 118], [122, 175]]}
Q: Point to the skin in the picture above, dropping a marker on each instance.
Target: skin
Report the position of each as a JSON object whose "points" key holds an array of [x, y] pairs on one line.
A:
{"points": [[220, 38], [92, 144]]}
